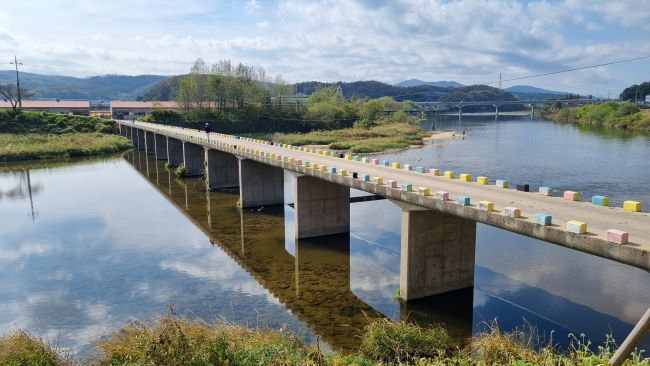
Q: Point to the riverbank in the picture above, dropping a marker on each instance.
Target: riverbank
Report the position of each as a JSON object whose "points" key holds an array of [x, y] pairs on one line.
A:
{"points": [[610, 115], [39, 135], [357, 139], [15, 147], [178, 341]]}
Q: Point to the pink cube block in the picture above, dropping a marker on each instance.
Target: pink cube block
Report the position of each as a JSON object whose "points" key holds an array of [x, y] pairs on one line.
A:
{"points": [[571, 195], [299, 162], [617, 236], [442, 195], [392, 183], [375, 161]]}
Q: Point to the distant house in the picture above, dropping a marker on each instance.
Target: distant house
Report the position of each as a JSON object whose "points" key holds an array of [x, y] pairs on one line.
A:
{"points": [[80, 107], [133, 109]]}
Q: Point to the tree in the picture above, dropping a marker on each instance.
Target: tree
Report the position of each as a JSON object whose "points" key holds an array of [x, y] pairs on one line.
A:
{"points": [[9, 93]]}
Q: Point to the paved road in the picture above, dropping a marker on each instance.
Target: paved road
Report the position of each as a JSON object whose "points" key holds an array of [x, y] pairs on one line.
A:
{"points": [[599, 219]]}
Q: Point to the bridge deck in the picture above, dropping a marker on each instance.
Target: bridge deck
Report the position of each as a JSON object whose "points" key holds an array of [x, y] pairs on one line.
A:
{"points": [[599, 219]]}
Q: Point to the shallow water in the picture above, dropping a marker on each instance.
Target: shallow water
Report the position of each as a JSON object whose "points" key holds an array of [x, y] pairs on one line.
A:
{"points": [[103, 241]]}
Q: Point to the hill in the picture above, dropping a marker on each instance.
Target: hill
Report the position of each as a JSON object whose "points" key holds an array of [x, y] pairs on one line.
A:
{"points": [[527, 92], [442, 84], [106, 87], [376, 89]]}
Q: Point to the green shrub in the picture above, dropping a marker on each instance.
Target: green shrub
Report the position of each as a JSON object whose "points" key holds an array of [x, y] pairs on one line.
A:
{"points": [[51, 123], [38, 146], [180, 171], [20, 348]]}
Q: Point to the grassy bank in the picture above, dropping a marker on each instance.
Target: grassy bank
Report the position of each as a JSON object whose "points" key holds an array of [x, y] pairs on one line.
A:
{"points": [[39, 146], [177, 341], [610, 115], [359, 140], [38, 135]]}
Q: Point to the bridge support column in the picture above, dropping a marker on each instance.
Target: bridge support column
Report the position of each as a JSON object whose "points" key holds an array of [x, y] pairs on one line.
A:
{"points": [[260, 184], [437, 252], [174, 151], [160, 146], [321, 208], [222, 169], [140, 136], [149, 143], [193, 158]]}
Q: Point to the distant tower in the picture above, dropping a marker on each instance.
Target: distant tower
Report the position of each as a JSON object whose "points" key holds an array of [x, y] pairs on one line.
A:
{"points": [[499, 80], [339, 90]]}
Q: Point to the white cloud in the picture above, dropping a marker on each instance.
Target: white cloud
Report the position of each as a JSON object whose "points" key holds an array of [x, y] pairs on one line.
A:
{"points": [[252, 6]]}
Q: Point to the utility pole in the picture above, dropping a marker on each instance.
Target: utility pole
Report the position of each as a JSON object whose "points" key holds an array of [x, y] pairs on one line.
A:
{"points": [[16, 63], [500, 81]]}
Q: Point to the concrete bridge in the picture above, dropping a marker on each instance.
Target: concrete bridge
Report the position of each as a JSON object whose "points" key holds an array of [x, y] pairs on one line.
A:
{"points": [[439, 214]]}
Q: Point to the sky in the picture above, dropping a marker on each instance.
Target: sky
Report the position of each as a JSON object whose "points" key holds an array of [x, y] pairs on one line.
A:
{"points": [[335, 40]]}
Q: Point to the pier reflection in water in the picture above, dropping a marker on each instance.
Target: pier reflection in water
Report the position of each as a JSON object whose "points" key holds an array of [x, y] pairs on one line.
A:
{"points": [[310, 277]]}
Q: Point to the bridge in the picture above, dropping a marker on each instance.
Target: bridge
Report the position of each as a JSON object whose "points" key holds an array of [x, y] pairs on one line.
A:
{"points": [[439, 213]]}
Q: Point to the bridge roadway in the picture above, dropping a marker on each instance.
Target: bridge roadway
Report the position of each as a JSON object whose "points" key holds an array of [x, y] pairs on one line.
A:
{"points": [[599, 219]]}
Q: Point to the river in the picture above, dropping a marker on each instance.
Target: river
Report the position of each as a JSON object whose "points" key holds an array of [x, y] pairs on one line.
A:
{"points": [[87, 245]]}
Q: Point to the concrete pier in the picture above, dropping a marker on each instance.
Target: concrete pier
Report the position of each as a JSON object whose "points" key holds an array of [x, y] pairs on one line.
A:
{"points": [[160, 147], [193, 158], [140, 136], [437, 252], [260, 184], [222, 169], [321, 208], [174, 151], [149, 143]]}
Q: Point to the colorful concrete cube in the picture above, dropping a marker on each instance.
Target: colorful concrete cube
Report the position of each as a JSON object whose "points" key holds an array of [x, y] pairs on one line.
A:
{"points": [[571, 195], [374, 161], [391, 183], [408, 167], [442, 195], [299, 162], [419, 169], [378, 180], [366, 177], [344, 172], [423, 191], [333, 170], [323, 168], [482, 180], [435, 172], [315, 166], [502, 183], [617, 236], [307, 164], [464, 177], [576, 227], [449, 174], [600, 200], [384, 163], [633, 206], [512, 212], [396, 165], [407, 187], [523, 187], [463, 200], [541, 218], [486, 206], [546, 191], [356, 158], [365, 160], [348, 157], [355, 175]]}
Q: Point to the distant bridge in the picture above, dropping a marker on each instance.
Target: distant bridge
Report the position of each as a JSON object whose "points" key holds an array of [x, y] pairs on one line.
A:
{"points": [[440, 106]]}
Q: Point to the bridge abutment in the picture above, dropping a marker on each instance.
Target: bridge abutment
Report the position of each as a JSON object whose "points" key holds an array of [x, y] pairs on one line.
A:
{"points": [[174, 151], [222, 169], [149, 143], [160, 146], [260, 184], [193, 158], [437, 252], [321, 208]]}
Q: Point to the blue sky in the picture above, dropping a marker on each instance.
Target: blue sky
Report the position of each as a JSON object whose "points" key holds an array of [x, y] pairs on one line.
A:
{"points": [[467, 41]]}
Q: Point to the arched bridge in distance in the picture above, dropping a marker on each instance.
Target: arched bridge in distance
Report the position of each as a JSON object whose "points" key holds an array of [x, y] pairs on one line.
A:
{"points": [[439, 211]]}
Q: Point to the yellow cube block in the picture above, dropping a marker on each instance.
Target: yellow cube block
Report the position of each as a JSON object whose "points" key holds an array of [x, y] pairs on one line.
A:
{"points": [[348, 157], [486, 206], [482, 180], [423, 191], [344, 173], [396, 165], [633, 206], [323, 168], [576, 227], [449, 174], [378, 180], [315, 166], [465, 177]]}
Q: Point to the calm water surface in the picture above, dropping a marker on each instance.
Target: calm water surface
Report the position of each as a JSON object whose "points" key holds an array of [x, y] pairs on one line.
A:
{"points": [[86, 246]]}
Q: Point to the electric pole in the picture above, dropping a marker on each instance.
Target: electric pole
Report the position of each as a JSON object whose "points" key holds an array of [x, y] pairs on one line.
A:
{"points": [[500, 81], [16, 63]]}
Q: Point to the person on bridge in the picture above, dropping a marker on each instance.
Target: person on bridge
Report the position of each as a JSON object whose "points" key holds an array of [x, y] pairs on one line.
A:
{"points": [[207, 130]]}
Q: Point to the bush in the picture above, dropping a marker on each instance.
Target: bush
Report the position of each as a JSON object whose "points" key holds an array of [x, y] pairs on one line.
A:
{"points": [[51, 123], [180, 171], [20, 348], [37, 146]]}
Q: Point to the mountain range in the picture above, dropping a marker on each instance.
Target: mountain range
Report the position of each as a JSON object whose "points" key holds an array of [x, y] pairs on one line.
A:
{"points": [[161, 87]]}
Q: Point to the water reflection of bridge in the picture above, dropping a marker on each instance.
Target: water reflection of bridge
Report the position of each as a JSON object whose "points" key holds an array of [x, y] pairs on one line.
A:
{"points": [[315, 284]]}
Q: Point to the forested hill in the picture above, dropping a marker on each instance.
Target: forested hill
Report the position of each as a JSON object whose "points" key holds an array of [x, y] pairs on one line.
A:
{"points": [[106, 87], [376, 89]]}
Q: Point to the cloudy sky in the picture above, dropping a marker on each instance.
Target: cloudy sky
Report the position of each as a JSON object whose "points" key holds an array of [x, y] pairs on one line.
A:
{"points": [[467, 41]]}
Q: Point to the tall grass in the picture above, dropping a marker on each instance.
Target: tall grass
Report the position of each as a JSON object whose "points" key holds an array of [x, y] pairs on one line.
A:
{"points": [[170, 340], [51, 123], [36, 146], [610, 114]]}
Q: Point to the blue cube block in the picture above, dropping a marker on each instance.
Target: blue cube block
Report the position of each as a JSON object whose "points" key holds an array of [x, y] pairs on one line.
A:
{"points": [[333, 170], [385, 162], [366, 177], [420, 169], [356, 158], [600, 200], [463, 200], [543, 219]]}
